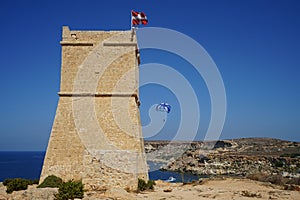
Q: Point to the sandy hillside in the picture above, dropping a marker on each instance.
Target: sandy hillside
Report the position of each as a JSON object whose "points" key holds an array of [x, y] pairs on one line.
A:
{"points": [[226, 189]]}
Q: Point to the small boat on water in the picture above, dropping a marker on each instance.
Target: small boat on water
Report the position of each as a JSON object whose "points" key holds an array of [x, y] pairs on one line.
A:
{"points": [[171, 179]]}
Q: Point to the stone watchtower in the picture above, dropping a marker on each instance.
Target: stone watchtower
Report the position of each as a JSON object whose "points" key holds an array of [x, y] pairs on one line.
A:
{"points": [[96, 135]]}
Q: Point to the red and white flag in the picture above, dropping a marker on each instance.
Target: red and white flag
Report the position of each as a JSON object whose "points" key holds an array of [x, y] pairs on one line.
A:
{"points": [[138, 18]]}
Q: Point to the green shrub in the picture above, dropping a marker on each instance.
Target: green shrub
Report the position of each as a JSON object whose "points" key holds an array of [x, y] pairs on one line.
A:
{"points": [[35, 181], [6, 181], [51, 181], [142, 185], [70, 190], [30, 182], [278, 164], [150, 184], [16, 184]]}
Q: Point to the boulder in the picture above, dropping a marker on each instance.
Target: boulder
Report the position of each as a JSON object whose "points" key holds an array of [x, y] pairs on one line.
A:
{"points": [[34, 194], [118, 193]]}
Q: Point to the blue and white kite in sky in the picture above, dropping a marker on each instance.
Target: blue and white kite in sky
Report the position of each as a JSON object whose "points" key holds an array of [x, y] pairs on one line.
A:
{"points": [[163, 107]]}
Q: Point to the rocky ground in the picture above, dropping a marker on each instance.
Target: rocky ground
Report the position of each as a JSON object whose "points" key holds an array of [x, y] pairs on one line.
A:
{"points": [[229, 188], [32, 193], [218, 189]]}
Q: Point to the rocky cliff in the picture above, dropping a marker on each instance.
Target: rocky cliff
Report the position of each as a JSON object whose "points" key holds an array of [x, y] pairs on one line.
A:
{"points": [[229, 157]]}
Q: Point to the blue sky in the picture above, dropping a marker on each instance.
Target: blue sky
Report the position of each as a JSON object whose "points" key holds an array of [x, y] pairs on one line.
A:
{"points": [[254, 43]]}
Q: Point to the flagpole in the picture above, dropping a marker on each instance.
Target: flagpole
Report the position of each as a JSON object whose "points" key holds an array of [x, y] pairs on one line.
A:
{"points": [[133, 29], [131, 19], [133, 32]]}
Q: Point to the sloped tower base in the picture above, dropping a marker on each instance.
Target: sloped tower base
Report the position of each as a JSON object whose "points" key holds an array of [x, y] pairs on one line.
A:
{"points": [[96, 135]]}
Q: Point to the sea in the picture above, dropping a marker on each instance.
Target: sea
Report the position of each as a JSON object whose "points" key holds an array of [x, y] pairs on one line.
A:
{"points": [[28, 165]]}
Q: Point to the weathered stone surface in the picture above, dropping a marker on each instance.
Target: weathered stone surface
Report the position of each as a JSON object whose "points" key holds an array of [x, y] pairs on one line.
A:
{"points": [[31, 193], [3, 195], [119, 193], [96, 135], [37, 194]]}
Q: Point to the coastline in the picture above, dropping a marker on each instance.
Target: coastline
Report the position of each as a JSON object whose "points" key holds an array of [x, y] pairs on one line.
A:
{"points": [[271, 154]]}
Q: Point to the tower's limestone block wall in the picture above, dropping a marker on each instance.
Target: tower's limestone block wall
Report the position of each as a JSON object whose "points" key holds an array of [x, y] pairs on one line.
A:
{"points": [[96, 134]]}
